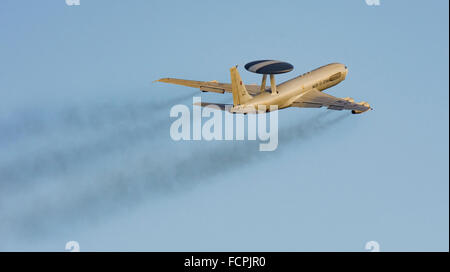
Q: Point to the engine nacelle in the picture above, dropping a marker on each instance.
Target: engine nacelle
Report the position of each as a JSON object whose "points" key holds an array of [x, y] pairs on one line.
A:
{"points": [[365, 104], [349, 99]]}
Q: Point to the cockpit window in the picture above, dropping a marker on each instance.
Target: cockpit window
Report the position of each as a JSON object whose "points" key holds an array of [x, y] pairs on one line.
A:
{"points": [[335, 76]]}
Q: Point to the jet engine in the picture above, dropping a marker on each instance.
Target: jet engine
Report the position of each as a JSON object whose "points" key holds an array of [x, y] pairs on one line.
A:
{"points": [[365, 104]]}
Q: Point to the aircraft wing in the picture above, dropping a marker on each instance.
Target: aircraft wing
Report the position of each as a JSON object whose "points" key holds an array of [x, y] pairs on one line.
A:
{"points": [[208, 86], [317, 99]]}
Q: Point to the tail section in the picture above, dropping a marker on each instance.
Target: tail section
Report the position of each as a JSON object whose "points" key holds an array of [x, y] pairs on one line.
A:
{"points": [[240, 94]]}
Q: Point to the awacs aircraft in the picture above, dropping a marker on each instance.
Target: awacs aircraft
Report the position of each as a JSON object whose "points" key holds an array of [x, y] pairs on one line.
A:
{"points": [[304, 91]]}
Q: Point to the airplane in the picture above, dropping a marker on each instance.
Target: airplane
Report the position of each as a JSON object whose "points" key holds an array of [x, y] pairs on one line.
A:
{"points": [[304, 91]]}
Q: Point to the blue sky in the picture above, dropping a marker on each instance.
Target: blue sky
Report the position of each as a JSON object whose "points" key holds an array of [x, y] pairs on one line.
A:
{"points": [[84, 133]]}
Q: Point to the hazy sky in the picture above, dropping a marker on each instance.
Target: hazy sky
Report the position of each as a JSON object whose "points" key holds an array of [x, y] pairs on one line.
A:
{"points": [[85, 151]]}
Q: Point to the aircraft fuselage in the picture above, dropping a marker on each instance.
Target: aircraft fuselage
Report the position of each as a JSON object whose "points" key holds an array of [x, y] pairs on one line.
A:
{"points": [[289, 91]]}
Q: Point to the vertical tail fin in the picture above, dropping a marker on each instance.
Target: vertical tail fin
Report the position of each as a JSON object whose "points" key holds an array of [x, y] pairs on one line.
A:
{"points": [[240, 94]]}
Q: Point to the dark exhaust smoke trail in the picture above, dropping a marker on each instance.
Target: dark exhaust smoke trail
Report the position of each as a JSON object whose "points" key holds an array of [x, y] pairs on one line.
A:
{"points": [[130, 131], [311, 127], [37, 122], [155, 177]]}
